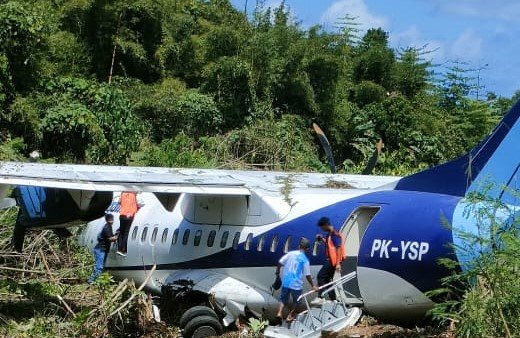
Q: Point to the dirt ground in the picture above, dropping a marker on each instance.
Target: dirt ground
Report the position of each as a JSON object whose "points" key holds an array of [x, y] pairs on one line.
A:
{"points": [[369, 328]]}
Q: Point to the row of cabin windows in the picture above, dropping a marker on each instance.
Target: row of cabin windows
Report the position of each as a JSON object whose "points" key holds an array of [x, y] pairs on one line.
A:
{"points": [[223, 239]]}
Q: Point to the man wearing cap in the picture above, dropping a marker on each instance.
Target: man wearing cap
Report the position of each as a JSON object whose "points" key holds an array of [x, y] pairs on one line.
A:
{"points": [[335, 251], [105, 239], [295, 265]]}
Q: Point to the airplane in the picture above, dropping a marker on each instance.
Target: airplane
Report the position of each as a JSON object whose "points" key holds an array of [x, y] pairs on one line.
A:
{"points": [[215, 236]]}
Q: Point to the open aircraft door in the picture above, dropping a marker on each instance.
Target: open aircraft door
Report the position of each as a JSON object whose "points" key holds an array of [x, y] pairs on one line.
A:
{"points": [[353, 231]]}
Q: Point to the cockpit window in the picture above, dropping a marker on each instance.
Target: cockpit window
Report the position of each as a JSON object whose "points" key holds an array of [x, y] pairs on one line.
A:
{"points": [[197, 238]]}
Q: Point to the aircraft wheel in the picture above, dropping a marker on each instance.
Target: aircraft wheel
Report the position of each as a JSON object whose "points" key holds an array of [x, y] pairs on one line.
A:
{"points": [[202, 326], [196, 311]]}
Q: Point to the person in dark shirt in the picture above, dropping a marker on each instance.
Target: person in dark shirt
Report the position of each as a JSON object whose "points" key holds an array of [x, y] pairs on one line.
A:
{"points": [[105, 239]]}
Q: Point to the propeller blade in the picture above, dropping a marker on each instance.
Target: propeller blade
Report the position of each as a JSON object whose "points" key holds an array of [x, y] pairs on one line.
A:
{"points": [[373, 159], [326, 146], [18, 235]]}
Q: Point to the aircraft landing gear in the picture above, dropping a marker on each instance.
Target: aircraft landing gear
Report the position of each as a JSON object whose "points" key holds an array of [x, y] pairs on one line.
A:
{"points": [[200, 322]]}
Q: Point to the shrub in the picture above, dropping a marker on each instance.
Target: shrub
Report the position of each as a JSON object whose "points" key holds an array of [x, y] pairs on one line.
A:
{"points": [[284, 144], [490, 302], [177, 152], [196, 114]]}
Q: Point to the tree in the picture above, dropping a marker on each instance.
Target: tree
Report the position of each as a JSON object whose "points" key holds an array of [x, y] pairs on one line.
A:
{"points": [[376, 60], [228, 79]]}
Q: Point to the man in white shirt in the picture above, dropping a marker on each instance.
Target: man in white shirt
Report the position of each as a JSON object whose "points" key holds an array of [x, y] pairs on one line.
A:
{"points": [[295, 265]]}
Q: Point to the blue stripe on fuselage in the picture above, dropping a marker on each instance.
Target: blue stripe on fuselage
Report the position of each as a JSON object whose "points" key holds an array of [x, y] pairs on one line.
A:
{"points": [[407, 216]]}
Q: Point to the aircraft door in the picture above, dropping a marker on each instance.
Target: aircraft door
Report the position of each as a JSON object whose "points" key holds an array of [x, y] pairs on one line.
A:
{"points": [[353, 231]]}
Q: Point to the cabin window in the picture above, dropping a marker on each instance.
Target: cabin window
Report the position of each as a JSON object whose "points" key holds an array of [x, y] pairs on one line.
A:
{"points": [[144, 234], [236, 239], [154, 235], [315, 248], [134, 233], [274, 243], [249, 239], [164, 235], [175, 236], [223, 240], [197, 238], [186, 237], [261, 242], [211, 238], [287, 245]]}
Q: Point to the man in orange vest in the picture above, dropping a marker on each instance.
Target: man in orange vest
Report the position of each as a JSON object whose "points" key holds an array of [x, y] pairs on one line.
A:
{"points": [[129, 207], [335, 254]]}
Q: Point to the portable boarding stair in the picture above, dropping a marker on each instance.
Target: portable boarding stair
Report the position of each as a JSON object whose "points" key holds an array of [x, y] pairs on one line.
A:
{"points": [[330, 316]]}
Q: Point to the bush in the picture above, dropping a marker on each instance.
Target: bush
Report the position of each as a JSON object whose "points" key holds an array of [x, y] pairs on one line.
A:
{"points": [[284, 144], [86, 121], [368, 92], [12, 150], [196, 114], [490, 301], [68, 131], [174, 153]]}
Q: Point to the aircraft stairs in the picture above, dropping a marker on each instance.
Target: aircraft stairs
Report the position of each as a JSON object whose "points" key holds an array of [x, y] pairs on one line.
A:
{"points": [[330, 316]]}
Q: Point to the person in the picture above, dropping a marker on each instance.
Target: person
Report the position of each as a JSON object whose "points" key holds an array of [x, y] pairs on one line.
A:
{"points": [[102, 248], [335, 252], [129, 207], [295, 265]]}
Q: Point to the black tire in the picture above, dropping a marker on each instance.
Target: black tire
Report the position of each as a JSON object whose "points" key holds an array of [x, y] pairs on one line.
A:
{"points": [[202, 326], [196, 311]]}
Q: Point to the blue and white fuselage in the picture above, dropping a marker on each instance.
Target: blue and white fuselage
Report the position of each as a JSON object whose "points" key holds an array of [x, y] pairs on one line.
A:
{"points": [[223, 232]]}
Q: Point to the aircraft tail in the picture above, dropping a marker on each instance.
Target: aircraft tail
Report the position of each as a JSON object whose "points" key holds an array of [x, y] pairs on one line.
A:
{"points": [[496, 160]]}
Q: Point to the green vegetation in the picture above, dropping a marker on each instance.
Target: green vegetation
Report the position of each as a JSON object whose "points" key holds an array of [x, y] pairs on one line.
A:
{"points": [[484, 300], [43, 292], [197, 83]]}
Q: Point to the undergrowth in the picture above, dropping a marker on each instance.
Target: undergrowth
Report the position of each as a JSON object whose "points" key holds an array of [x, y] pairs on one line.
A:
{"points": [[43, 292], [482, 297]]}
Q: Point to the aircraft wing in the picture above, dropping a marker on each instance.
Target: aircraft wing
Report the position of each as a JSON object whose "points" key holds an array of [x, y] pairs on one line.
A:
{"points": [[56, 196], [113, 178]]}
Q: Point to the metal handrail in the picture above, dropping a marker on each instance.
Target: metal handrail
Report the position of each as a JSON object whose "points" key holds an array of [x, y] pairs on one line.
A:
{"points": [[342, 280], [331, 286]]}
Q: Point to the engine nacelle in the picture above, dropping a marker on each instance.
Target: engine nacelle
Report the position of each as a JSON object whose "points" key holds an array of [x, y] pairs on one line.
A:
{"points": [[51, 208]]}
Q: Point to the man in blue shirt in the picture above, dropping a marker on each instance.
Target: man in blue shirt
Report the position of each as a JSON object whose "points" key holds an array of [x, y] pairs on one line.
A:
{"points": [[295, 265]]}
